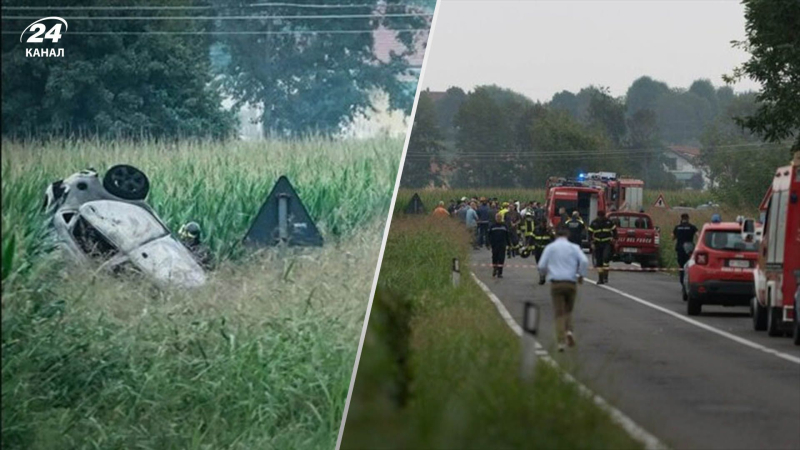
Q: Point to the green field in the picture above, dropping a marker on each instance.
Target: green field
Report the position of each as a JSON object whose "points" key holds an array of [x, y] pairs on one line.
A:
{"points": [[439, 366], [260, 357], [666, 219]]}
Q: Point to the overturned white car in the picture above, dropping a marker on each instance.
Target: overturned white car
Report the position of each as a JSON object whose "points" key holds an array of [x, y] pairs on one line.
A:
{"points": [[110, 222]]}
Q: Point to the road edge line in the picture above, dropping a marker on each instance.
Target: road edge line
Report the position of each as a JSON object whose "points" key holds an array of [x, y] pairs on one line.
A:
{"points": [[632, 428], [715, 330]]}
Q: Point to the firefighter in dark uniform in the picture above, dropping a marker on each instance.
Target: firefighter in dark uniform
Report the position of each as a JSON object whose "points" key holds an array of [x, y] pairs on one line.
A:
{"points": [[189, 235], [575, 225], [602, 232], [528, 225], [542, 235], [499, 239]]}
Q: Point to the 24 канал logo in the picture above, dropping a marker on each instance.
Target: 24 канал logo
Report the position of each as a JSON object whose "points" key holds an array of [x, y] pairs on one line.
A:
{"points": [[39, 33]]}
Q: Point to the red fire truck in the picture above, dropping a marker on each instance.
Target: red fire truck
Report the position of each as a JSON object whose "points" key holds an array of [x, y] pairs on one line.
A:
{"points": [[621, 194], [573, 195], [774, 307]]}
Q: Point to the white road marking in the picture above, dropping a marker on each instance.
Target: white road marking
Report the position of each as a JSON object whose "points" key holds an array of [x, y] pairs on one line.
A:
{"points": [[706, 327], [649, 441]]}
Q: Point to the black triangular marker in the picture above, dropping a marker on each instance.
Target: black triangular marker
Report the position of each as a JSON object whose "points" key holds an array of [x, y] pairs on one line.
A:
{"points": [[283, 218], [415, 206]]}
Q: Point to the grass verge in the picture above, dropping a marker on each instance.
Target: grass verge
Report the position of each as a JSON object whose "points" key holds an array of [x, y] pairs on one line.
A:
{"points": [[439, 366]]}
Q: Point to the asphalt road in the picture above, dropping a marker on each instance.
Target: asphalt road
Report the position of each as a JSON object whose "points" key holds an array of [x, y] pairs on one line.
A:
{"points": [[712, 384]]}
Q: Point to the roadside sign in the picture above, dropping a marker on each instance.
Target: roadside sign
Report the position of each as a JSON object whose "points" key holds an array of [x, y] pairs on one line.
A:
{"points": [[660, 202], [283, 219], [415, 206]]}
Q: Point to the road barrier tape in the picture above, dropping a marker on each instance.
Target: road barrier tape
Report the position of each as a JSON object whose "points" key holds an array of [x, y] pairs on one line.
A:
{"points": [[610, 269]]}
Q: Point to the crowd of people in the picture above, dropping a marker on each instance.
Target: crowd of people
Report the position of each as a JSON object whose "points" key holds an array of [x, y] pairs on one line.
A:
{"points": [[512, 228]]}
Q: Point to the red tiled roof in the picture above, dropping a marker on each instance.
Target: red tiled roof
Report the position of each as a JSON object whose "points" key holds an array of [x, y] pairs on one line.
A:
{"points": [[685, 151], [386, 43]]}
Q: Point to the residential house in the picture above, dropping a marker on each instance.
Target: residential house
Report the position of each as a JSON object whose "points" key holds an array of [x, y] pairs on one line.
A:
{"points": [[683, 163]]}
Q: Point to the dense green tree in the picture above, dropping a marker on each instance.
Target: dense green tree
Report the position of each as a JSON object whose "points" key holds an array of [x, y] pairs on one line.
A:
{"points": [[644, 93], [559, 145], [446, 109], [316, 72], [139, 84], [425, 147], [485, 143], [725, 96], [773, 42], [608, 114], [682, 116], [567, 101], [704, 89]]}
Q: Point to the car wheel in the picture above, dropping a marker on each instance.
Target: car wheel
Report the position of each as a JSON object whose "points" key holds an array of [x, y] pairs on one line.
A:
{"points": [[759, 314], [693, 306], [126, 182], [774, 321]]}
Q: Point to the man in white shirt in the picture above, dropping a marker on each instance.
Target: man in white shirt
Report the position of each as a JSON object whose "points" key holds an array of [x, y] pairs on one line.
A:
{"points": [[564, 265]]}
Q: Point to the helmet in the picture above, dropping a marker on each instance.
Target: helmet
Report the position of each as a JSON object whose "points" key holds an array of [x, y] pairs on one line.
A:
{"points": [[189, 230]]}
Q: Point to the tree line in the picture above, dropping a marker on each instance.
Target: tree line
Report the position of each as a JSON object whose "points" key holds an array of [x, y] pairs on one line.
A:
{"points": [[495, 137], [142, 71]]}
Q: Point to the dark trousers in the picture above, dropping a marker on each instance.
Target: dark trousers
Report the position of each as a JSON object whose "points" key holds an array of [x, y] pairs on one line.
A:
{"points": [[483, 234], [498, 258], [537, 253], [683, 258], [602, 257]]}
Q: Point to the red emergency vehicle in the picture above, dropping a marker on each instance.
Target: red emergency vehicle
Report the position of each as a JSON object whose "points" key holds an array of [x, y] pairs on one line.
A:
{"points": [[720, 270], [774, 307], [637, 238], [621, 194], [574, 197]]}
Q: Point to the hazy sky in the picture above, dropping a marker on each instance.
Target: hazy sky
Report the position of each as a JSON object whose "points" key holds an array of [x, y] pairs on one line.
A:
{"points": [[540, 47]]}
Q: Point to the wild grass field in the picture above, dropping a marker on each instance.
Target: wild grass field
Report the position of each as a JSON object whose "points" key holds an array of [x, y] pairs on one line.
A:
{"points": [[665, 219], [439, 366], [260, 357]]}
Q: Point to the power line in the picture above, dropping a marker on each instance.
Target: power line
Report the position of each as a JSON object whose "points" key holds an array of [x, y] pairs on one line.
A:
{"points": [[600, 152], [179, 8], [101, 33], [254, 17]]}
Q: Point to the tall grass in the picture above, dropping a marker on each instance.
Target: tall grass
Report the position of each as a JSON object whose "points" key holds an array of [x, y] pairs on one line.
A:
{"points": [[219, 185], [439, 366], [259, 357]]}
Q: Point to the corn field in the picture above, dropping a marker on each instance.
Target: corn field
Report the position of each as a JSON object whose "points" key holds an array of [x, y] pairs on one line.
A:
{"points": [[220, 185], [258, 357]]}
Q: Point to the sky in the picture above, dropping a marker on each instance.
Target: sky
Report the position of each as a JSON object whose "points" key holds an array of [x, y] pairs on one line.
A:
{"points": [[541, 47]]}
